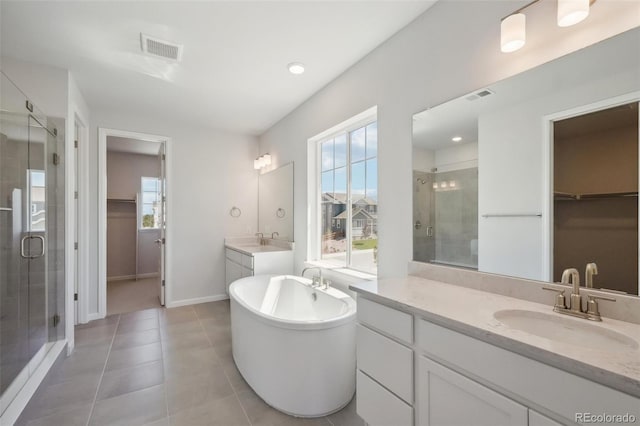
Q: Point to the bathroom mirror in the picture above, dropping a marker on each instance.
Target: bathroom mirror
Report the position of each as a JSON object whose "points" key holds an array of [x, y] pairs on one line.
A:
{"points": [[275, 203], [536, 173]]}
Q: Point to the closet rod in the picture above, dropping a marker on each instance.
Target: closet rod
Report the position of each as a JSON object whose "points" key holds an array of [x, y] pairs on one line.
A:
{"points": [[512, 215], [568, 196]]}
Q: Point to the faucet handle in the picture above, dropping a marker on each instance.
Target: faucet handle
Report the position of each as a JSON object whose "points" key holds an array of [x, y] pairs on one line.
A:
{"points": [[560, 300], [592, 306]]}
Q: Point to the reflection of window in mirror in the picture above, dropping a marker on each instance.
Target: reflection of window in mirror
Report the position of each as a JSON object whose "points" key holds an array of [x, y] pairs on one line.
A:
{"points": [[595, 182], [36, 200], [150, 203], [348, 197]]}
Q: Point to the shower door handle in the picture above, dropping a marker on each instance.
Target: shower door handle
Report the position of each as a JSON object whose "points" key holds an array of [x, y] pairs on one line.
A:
{"points": [[23, 252], [429, 231]]}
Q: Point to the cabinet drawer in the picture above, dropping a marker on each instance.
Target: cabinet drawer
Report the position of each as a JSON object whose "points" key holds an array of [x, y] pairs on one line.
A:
{"points": [[234, 256], [379, 407], [388, 362], [247, 261], [388, 320]]}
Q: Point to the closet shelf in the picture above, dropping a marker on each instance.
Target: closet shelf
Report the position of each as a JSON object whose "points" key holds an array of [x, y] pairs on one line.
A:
{"points": [[121, 200], [561, 196]]}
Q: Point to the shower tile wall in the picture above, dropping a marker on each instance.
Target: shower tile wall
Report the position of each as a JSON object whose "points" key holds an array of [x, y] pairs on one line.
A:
{"points": [[456, 236], [446, 202]]}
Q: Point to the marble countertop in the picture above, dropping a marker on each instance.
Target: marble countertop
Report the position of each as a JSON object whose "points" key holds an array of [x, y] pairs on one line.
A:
{"points": [[471, 312]]}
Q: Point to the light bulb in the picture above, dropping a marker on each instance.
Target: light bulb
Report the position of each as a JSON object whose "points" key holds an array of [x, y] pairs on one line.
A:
{"points": [[267, 159], [296, 68], [256, 164], [570, 12], [513, 32]]}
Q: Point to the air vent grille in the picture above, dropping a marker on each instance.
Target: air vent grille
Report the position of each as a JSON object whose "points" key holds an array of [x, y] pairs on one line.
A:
{"points": [[478, 95], [161, 48]]}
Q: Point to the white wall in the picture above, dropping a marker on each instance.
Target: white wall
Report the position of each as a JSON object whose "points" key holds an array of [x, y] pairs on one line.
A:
{"points": [[209, 172], [450, 50]]}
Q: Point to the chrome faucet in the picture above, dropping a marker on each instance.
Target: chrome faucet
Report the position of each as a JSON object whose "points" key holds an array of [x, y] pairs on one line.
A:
{"points": [[261, 235], [592, 269], [274, 235], [317, 280]]}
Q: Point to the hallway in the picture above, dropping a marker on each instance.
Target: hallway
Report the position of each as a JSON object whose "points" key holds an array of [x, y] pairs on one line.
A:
{"points": [[132, 295]]}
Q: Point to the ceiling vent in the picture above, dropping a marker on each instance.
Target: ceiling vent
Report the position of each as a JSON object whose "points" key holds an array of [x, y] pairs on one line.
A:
{"points": [[481, 94], [161, 48]]}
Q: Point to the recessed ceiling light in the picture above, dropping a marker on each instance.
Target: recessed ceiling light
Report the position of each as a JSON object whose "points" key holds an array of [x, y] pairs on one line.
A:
{"points": [[296, 68], [456, 138]]}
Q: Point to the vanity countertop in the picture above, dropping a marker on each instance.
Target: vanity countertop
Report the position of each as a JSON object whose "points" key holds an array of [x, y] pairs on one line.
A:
{"points": [[471, 312], [253, 249]]}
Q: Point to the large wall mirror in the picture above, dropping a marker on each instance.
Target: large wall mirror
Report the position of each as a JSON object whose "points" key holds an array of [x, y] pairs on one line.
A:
{"points": [[275, 203], [536, 173]]}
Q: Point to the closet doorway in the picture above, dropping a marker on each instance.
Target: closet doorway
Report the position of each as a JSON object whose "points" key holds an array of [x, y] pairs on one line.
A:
{"points": [[132, 221]]}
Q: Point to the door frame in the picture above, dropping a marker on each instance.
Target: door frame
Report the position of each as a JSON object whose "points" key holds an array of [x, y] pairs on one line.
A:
{"points": [[547, 171], [103, 133]]}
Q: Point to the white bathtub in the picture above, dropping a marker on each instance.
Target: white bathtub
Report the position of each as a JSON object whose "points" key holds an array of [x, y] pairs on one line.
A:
{"points": [[297, 351]]}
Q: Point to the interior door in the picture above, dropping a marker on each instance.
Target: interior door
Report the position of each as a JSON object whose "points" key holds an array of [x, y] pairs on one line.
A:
{"points": [[162, 220]]}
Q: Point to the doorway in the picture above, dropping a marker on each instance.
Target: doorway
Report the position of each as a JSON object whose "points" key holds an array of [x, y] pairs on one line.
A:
{"points": [[132, 221], [595, 203]]}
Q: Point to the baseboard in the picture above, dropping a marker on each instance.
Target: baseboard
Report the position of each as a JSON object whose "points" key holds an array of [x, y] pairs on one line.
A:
{"points": [[197, 300], [15, 408], [133, 277], [94, 316]]}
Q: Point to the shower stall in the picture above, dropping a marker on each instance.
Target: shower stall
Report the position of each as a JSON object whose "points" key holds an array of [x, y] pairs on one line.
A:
{"points": [[31, 238], [445, 217]]}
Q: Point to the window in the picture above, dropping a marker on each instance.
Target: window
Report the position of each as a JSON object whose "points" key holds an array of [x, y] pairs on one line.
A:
{"points": [[36, 200], [150, 204], [348, 175]]}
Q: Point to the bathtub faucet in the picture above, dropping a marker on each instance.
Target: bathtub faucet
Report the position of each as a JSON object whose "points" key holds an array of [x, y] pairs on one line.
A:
{"points": [[317, 280]]}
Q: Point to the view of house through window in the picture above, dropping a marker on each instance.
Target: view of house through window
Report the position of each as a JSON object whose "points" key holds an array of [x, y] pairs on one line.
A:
{"points": [[37, 216], [150, 205], [349, 199]]}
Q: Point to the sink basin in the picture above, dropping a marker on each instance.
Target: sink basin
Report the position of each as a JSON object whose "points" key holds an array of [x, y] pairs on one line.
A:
{"points": [[566, 330]]}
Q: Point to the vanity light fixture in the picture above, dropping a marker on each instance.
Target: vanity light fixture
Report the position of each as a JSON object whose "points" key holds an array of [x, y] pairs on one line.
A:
{"points": [[262, 161], [296, 68], [456, 138], [513, 33]]}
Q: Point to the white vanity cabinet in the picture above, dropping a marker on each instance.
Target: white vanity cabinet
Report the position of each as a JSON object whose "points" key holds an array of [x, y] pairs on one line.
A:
{"points": [[411, 368], [384, 383], [240, 264]]}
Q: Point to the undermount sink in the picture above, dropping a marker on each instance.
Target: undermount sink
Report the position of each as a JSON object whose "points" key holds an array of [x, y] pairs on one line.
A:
{"points": [[566, 330]]}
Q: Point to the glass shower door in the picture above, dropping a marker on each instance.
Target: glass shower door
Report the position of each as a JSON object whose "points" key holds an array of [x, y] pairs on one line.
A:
{"points": [[23, 234]]}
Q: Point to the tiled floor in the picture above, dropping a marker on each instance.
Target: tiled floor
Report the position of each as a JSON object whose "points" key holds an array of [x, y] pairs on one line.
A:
{"points": [[132, 295], [157, 367]]}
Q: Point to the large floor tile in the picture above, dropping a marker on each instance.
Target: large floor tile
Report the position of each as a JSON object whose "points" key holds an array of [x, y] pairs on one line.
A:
{"points": [[188, 391], [261, 414], [218, 332], [178, 315], [118, 382], [129, 357], [222, 412], [78, 416], [190, 362], [189, 340], [111, 319], [136, 338], [84, 361], [180, 328], [95, 336], [131, 409], [137, 325], [65, 396], [218, 310]]}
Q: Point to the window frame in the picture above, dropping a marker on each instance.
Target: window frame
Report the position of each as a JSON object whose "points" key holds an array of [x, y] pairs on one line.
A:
{"points": [[314, 240], [142, 203]]}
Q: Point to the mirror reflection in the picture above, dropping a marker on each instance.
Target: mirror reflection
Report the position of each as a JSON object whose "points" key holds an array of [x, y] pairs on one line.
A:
{"points": [[536, 173], [275, 203]]}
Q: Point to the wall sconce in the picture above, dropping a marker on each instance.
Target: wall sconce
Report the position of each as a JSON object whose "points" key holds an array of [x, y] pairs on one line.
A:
{"points": [[513, 27], [262, 161]]}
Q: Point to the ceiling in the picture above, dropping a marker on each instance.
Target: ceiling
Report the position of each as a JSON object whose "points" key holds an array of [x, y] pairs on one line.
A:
{"points": [[233, 74]]}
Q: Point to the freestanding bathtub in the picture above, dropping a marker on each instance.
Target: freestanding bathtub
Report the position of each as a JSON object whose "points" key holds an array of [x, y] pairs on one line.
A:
{"points": [[293, 344]]}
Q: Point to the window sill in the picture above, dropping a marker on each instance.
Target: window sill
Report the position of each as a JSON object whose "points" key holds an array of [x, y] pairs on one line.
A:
{"points": [[343, 274]]}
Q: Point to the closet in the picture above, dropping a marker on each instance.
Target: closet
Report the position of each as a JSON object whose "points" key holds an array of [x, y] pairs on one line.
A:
{"points": [[596, 196]]}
